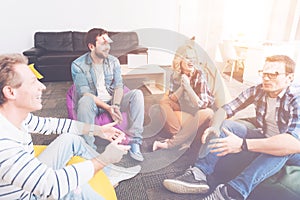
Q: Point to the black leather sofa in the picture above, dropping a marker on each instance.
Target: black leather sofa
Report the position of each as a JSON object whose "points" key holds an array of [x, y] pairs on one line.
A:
{"points": [[53, 52]]}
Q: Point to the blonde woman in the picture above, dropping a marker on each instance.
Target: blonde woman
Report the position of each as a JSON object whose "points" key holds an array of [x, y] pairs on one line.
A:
{"points": [[186, 105]]}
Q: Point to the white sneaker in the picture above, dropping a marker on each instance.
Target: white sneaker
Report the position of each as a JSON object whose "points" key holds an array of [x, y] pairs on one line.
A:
{"points": [[116, 174]]}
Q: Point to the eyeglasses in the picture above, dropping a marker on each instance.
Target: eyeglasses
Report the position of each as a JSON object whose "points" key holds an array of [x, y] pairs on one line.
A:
{"points": [[271, 76]]}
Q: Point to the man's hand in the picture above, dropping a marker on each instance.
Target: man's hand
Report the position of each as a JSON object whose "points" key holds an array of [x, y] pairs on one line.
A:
{"points": [[115, 113], [109, 132], [223, 146], [113, 152]]}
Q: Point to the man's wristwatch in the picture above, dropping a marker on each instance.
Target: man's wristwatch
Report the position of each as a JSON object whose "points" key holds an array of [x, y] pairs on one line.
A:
{"points": [[244, 145]]}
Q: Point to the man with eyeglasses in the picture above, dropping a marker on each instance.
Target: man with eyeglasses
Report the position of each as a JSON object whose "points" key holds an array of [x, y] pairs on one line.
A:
{"points": [[266, 149]]}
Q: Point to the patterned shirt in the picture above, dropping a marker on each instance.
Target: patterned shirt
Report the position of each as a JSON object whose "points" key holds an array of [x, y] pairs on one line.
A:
{"points": [[22, 174], [199, 85], [287, 108]]}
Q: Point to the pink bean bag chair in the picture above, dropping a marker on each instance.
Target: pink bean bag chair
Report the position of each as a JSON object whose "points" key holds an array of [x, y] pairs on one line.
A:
{"points": [[101, 119]]}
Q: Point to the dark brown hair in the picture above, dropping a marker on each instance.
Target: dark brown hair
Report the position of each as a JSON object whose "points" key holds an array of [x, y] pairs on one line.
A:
{"points": [[92, 35]]}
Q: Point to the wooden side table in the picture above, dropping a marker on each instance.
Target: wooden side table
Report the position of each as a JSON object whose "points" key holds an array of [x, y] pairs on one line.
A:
{"points": [[153, 76]]}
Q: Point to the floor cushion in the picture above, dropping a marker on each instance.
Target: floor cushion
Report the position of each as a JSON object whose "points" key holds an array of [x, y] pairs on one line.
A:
{"points": [[99, 182], [101, 119], [283, 185]]}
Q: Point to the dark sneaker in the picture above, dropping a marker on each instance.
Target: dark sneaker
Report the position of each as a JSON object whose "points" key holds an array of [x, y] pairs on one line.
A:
{"points": [[220, 193], [187, 183]]}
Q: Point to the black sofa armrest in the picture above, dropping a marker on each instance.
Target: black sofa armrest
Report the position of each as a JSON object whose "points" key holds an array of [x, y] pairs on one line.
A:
{"points": [[139, 49], [34, 52]]}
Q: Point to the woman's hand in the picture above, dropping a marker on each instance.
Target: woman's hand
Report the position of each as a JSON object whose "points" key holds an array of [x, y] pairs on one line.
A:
{"points": [[185, 82]]}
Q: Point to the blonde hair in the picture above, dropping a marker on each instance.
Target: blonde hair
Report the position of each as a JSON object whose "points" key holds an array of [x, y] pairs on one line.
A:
{"points": [[289, 63], [183, 52]]}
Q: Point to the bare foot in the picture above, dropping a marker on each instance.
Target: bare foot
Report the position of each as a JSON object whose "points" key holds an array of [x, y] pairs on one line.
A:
{"points": [[159, 145]]}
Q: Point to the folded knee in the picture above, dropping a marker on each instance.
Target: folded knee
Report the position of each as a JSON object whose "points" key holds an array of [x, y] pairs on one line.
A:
{"points": [[138, 94], [85, 100], [205, 113], [70, 139], [86, 103]]}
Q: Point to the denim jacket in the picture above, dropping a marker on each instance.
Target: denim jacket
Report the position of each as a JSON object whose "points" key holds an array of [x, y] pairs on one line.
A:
{"points": [[84, 77]]}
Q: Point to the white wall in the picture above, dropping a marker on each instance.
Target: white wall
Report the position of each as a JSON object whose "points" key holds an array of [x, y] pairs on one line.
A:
{"points": [[200, 18], [281, 20], [21, 19], [203, 19]]}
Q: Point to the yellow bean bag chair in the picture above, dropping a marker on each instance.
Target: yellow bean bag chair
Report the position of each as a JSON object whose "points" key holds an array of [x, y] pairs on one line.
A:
{"points": [[99, 182]]}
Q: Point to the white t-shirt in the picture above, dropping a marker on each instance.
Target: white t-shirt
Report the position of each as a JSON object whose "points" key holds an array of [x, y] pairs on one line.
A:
{"points": [[103, 94]]}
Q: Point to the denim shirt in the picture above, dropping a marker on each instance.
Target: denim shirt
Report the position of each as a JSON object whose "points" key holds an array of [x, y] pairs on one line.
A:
{"points": [[84, 76], [287, 107]]}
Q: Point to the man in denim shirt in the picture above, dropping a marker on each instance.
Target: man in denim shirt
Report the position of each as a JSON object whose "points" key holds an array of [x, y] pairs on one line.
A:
{"points": [[275, 141], [99, 87]]}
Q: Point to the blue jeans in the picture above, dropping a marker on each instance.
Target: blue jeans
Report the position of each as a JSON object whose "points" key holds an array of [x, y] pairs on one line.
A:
{"points": [[132, 103], [60, 151], [262, 167]]}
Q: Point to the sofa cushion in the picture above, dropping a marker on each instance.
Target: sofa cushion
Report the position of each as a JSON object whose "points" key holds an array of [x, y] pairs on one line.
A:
{"points": [[55, 72], [123, 42], [54, 41], [79, 41], [58, 58], [34, 52]]}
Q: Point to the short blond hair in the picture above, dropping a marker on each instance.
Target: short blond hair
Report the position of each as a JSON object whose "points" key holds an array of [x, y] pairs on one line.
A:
{"points": [[183, 52], [289, 63]]}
